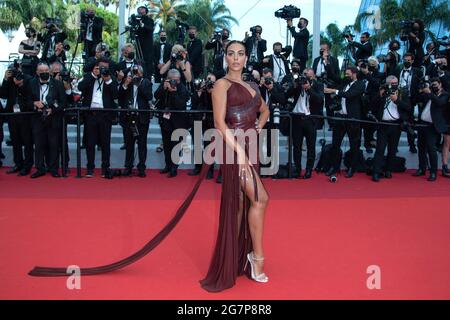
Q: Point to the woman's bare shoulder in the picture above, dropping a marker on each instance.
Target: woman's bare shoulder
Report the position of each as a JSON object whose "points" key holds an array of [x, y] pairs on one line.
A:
{"points": [[222, 84]]}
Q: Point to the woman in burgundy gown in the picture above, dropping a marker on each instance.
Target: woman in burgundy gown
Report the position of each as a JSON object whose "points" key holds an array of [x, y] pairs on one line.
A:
{"points": [[238, 248]]}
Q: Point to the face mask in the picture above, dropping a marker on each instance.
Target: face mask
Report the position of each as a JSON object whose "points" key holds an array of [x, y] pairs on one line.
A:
{"points": [[443, 67], [131, 55], [137, 80], [45, 76], [435, 89], [371, 68], [296, 70], [225, 37], [191, 36], [277, 53], [407, 64], [348, 78], [163, 39], [395, 48], [28, 35]]}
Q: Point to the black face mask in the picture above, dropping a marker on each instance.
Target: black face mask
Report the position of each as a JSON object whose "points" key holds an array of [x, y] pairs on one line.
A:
{"points": [[131, 56], [45, 76], [348, 78], [435, 89], [277, 53], [295, 70], [225, 37], [395, 48], [137, 80], [372, 69], [163, 39], [28, 35], [91, 15], [407, 64], [191, 36]]}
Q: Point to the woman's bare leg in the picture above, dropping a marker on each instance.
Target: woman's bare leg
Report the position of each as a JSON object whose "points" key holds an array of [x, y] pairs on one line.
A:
{"points": [[256, 214]]}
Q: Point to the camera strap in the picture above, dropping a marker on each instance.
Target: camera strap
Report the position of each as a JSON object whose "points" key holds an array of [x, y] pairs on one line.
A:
{"points": [[100, 85], [43, 90]]}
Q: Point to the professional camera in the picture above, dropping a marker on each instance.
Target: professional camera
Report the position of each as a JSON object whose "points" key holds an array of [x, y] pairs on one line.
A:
{"points": [[173, 83], [288, 12], [348, 35], [198, 84], [15, 72], [248, 74], [66, 47], [424, 83], [275, 109], [217, 35], [104, 71], [45, 111], [176, 57], [134, 23], [302, 80], [65, 76], [407, 26], [50, 23], [390, 89], [253, 30], [364, 64], [268, 81], [132, 118]]}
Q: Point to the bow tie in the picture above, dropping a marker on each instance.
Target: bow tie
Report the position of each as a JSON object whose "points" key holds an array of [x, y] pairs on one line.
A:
{"points": [[406, 70], [43, 83]]}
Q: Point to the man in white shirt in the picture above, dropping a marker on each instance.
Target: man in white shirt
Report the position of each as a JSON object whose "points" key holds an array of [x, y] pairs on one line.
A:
{"points": [[391, 111]]}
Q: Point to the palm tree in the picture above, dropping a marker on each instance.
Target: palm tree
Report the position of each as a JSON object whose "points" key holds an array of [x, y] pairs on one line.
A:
{"points": [[391, 13], [15, 12], [164, 11]]}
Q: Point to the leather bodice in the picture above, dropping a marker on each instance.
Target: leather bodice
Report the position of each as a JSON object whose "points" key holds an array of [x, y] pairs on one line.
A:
{"points": [[242, 108]]}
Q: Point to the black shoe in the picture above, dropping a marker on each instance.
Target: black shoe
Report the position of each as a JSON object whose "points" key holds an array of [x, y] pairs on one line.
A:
{"points": [[194, 172], [173, 173], [419, 173], [24, 172], [308, 174], [330, 172], [123, 147], [219, 179], [413, 149], [14, 169], [37, 174], [165, 170], [127, 172], [388, 175], [350, 173], [90, 173], [55, 174], [142, 174], [445, 172], [108, 174], [432, 177], [369, 150], [375, 177]]}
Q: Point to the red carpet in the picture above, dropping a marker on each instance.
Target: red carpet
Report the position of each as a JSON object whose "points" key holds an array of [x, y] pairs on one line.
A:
{"points": [[319, 237]]}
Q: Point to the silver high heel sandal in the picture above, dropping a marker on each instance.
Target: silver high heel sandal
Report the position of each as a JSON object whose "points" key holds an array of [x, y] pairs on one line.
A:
{"points": [[260, 277]]}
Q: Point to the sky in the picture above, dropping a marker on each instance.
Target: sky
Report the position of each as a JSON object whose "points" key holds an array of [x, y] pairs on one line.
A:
{"points": [[341, 12]]}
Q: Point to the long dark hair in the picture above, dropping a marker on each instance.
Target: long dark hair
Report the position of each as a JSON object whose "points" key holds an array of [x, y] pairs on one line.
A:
{"points": [[234, 42]]}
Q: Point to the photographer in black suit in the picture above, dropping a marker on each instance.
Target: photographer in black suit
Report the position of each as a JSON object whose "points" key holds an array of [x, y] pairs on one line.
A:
{"points": [[273, 95], [99, 90], [144, 36], [161, 53], [351, 108], [14, 91], [195, 52], [433, 102], [326, 68], [308, 96], [389, 108], [277, 63], [409, 81], [50, 39], [256, 46], [48, 97], [91, 31], [174, 95], [300, 51], [136, 93], [101, 52], [218, 42], [201, 100], [392, 59], [363, 50]]}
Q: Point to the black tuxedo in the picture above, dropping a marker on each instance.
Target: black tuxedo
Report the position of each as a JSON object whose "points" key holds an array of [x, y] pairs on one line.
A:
{"points": [[300, 50], [19, 126], [363, 51], [260, 49], [141, 121], [218, 68], [47, 132], [195, 53], [97, 30], [429, 135], [271, 64], [341, 128], [98, 124], [387, 135], [157, 57], [304, 126], [331, 69], [171, 101], [145, 37], [46, 41]]}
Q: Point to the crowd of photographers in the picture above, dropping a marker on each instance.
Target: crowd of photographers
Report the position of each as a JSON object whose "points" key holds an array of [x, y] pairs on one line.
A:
{"points": [[370, 104]]}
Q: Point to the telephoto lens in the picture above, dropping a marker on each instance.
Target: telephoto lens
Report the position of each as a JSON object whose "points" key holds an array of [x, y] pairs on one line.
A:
{"points": [[333, 179]]}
